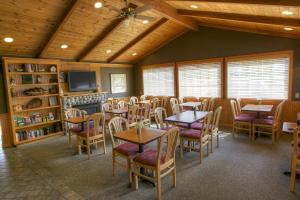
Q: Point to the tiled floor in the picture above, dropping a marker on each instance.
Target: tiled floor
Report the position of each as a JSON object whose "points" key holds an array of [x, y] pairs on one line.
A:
{"points": [[239, 169]]}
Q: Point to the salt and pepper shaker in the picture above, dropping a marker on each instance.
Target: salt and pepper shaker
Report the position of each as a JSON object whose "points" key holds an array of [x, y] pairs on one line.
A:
{"points": [[139, 126]]}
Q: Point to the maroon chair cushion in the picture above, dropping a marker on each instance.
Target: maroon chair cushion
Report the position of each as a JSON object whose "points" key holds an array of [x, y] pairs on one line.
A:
{"points": [[149, 157], [244, 118], [184, 125], [197, 125], [263, 121], [191, 133], [128, 149], [166, 128], [75, 129], [92, 132]]}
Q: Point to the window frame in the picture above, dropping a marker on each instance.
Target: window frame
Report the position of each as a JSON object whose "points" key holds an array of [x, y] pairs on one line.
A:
{"points": [[203, 61], [173, 64], [256, 56]]}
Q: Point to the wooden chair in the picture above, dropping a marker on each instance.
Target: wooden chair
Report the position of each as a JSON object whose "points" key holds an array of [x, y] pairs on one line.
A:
{"points": [[295, 158], [164, 102], [269, 126], [125, 150], [160, 114], [214, 130], [72, 128], [204, 105], [133, 100], [132, 116], [177, 108], [144, 114], [173, 101], [197, 136], [143, 98], [160, 162], [122, 105], [211, 104], [240, 122], [154, 105], [93, 134]]}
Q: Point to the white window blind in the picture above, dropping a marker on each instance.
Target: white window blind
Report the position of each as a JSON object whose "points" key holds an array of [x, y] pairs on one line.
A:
{"points": [[258, 78], [200, 80], [159, 81]]}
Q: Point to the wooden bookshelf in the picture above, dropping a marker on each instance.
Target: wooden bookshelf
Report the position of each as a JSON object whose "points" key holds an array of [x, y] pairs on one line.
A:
{"points": [[33, 122]]}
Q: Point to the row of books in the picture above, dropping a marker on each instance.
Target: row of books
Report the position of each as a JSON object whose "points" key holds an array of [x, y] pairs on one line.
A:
{"points": [[35, 118], [31, 134]]}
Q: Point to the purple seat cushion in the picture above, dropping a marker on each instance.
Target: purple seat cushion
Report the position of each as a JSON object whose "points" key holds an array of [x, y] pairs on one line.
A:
{"points": [[166, 128], [149, 157], [263, 121], [92, 132], [128, 149], [184, 125], [190, 133], [197, 125], [244, 118], [75, 129]]}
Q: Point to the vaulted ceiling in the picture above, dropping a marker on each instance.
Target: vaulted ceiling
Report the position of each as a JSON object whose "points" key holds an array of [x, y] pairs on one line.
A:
{"points": [[40, 27]]}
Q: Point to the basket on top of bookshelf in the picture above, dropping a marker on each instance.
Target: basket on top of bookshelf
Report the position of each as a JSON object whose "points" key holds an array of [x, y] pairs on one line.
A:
{"points": [[33, 98]]}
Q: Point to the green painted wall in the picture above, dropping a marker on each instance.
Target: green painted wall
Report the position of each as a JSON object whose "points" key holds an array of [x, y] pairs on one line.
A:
{"points": [[105, 80], [213, 43]]}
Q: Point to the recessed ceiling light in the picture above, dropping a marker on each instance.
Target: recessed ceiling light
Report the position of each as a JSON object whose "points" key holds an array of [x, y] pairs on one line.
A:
{"points": [[193, 6], [8, 39], [64, 46], [287, 12], [134, 54], [145, 21], [108, 51], [98, 4], [288, 28]]}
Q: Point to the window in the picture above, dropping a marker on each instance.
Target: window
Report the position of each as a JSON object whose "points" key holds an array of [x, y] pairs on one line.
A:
{"points": [[262, 77], [159, 80], [200, 79]]}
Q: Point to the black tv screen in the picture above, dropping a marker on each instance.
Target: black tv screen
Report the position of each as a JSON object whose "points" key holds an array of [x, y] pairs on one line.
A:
{"points": [[82, 81]]}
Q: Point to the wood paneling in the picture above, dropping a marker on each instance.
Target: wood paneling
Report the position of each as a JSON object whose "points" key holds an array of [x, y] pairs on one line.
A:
{"points": [[7, 140]]}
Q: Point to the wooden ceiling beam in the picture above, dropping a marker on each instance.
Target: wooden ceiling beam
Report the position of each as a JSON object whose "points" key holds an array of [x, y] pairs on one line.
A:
{"points": [[294, 3], [137, 39], [170, 13], [67, 14], [241, 17], [98, 39]]}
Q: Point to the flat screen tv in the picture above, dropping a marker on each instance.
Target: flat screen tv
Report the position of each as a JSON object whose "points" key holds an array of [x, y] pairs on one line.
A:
{"points": [[81, 81]]}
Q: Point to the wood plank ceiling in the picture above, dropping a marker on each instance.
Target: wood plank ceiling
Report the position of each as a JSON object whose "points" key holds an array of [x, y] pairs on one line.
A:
{"points": [[40, 27]]}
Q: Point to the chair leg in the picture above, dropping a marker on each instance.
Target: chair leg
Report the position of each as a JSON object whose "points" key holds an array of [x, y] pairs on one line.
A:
{"points": [[218, 140], [70, 138], [104, 145], [233, 129], [293, 175], [181, 147], [207, 149], [201, 153], [273, 136], [253, 132], [113, 162], [129, 171], [88, 148], [158, 184], [79, 145], [174, 176], [211, 144], [136, 182]]}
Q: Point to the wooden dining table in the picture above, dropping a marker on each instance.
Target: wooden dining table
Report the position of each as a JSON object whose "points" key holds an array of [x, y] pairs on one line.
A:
{"points": [[257, 108], [187, 117], [191, 104], [118, 111]]}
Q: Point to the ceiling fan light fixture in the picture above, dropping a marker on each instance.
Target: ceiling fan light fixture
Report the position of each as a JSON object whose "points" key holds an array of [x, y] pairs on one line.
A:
{"points": [[288, 28], [287, 12], [98, 4], [8, 39], [108, 51], [64, 46], [134, 54], [193, 6], [145, 21]]}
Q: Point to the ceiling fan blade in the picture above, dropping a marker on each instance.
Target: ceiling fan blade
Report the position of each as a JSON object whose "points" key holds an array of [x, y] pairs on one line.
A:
{"points": [[143, 17], [112, 8], [141, 9]]}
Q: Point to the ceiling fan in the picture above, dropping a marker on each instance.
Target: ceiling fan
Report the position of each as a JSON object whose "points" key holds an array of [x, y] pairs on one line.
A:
{"points": [[130, 11]]}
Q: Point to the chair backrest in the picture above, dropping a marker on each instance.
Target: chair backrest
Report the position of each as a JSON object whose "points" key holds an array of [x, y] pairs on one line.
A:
{"points": [[154, 103], [133, 100], [73, 112], [94, 123], [177, 108], [163, 102], [239, 106], [234, 108], [296, 140], [106, 106], [204, 105], [160, 114], [122, 104], [170, 137], [143, 98], [181, 100], [173, 101], [216, 119], [207, 122], [133, 113], [211, 104], [145, 111], [278, 112], [117, 125]]}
